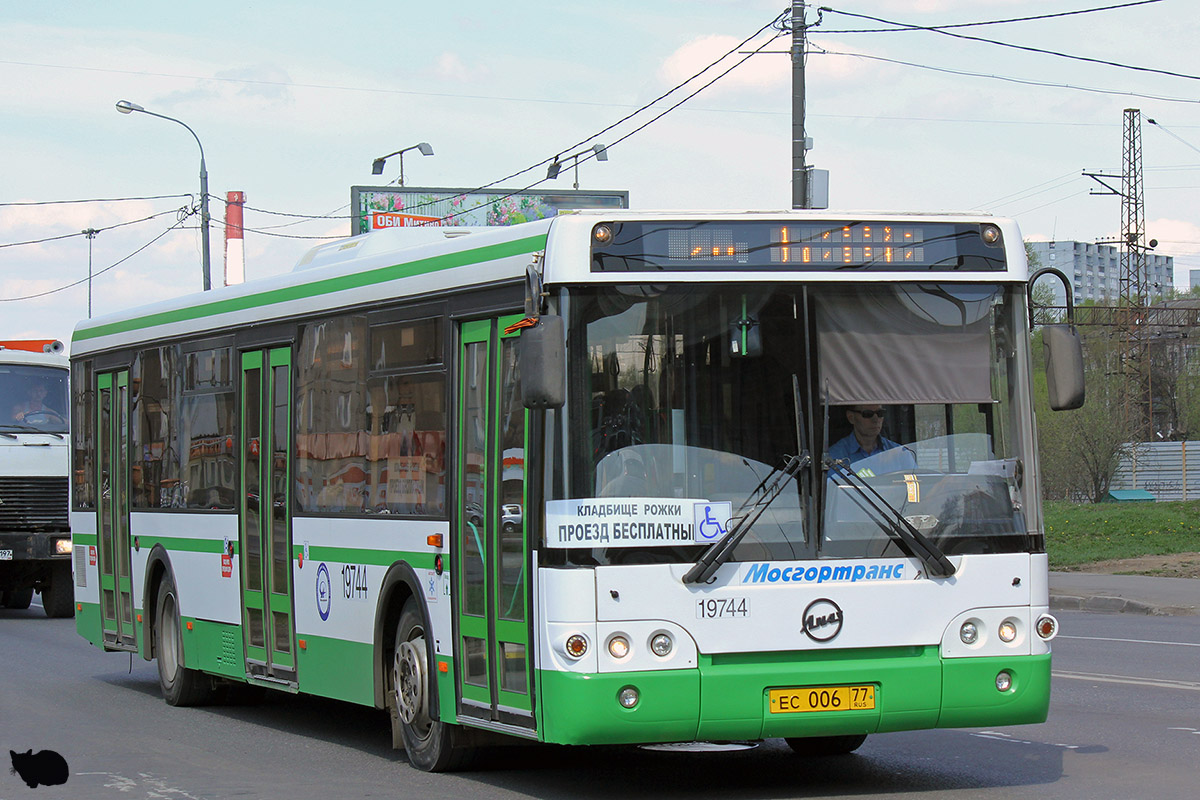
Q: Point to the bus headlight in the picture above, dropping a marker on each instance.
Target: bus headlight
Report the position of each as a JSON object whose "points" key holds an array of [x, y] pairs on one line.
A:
{"points": [[969, 632], [628, 697], [62, 547], [618, 646], [1008, 630], [1003, 681], [661, 645], [1046, 627]]}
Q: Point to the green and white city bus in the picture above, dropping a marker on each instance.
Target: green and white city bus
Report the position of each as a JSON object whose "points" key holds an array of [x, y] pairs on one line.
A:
{"points": [[569, 481]]}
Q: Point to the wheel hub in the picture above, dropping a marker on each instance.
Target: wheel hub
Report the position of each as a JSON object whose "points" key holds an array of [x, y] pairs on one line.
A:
{"points": [[410, 678]]}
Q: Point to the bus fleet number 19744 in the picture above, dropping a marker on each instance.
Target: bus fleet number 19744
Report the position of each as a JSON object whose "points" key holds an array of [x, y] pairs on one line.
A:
{"points": [[722, 608]]}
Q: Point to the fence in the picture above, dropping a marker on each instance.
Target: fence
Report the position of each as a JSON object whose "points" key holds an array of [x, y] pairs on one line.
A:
{"points": [[1168, 470]]}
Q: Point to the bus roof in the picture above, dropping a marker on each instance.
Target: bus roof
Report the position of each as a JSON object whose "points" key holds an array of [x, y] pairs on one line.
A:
{"points": [[417, 262]]}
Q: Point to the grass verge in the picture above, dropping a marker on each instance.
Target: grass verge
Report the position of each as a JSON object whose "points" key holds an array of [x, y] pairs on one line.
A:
{"points": [[1082, 534]]}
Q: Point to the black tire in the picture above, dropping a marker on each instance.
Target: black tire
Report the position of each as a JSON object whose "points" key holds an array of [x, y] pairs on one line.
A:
{"points": [[819, 746], [58, 599], [430, 743], [18, 598], [180, 686]]}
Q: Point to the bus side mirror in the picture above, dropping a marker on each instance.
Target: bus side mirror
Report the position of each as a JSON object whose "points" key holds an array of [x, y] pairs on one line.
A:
{"points": [[543, 358], [1064, 366]]}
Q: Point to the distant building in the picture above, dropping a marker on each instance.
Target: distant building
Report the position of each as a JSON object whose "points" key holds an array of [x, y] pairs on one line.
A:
{"points": [[1095, 271], [1193, 278]]}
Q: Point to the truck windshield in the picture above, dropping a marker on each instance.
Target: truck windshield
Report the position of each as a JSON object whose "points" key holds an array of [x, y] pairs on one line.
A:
{"points": [[683, 399], [33, 399]]}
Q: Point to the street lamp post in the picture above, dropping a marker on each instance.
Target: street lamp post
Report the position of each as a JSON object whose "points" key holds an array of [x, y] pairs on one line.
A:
{"points": [[597, 151], [126, 107], [90, 233], [377, 165]]}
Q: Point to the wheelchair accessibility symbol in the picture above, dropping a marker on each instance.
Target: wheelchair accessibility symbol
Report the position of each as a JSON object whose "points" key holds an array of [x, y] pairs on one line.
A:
{"points": [[711, 521]]}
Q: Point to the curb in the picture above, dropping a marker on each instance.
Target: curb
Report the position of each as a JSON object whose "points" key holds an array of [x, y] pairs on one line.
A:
{"points": [[1110, 604]]}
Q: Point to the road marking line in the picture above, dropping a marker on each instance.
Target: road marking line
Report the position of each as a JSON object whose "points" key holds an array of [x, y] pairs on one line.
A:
{"points": [[1131, 641], [1006, 737], [1160, 683]]}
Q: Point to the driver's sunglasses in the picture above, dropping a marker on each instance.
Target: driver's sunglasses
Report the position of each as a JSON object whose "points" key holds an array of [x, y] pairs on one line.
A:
{"points": [[870, 414]]}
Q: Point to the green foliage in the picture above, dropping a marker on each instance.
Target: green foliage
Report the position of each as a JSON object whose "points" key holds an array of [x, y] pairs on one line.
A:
{"points": [[1079, 450], [1081, 534]]}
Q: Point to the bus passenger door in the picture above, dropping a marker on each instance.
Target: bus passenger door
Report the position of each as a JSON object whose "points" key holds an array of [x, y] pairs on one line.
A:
{"points": [[491, 550], [264, 515], [112, 511]]}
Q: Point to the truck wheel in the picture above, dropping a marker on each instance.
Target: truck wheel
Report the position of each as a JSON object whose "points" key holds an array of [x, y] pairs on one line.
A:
{"points": [[180, 686], [58, 598], [429, 742], [18, 598]]}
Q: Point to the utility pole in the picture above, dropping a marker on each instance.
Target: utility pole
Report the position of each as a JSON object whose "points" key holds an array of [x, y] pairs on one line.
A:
{"points": [[1137, 402], [801, 197], [90, 233]]}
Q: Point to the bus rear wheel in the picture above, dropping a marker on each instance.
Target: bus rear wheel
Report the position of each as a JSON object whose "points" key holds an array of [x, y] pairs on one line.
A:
{"points": [[180, 686], [430, 743], [819, 746]]}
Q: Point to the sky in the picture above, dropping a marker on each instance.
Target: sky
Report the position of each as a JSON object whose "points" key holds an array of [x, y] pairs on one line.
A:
{"points": [[292, 101]]}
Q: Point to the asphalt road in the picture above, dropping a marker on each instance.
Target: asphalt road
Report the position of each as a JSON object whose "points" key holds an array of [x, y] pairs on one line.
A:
{"points": [[1124, 723]]}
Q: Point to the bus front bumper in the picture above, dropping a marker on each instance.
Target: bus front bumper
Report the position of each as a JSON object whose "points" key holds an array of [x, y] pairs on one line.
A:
{"points": [[728, 697]]}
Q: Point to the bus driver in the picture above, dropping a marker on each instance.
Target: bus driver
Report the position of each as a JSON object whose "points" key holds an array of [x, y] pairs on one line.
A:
{"points": [[865, 439]]}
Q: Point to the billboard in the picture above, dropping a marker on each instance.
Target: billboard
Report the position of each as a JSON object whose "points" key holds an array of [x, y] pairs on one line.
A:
{"points": [[375, 208]]}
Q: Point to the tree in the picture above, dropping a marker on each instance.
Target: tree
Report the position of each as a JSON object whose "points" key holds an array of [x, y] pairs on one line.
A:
{"points": [[1079, 450], [1043, 295]]}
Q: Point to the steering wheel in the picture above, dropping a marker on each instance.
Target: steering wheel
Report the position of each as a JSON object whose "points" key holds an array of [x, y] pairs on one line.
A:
{"points": [[44, 417]]}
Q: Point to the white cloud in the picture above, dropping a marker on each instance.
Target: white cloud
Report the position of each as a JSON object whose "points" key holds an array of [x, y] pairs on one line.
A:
{"points": [[1175, 237], [761, 73]]}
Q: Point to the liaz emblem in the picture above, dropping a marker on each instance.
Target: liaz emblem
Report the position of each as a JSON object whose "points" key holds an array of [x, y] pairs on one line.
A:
{"points": [[822, 620]]}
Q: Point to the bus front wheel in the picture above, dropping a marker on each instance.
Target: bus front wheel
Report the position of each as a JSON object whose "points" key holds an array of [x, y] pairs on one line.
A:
{"points": [[430, 743], [819, 746], [58, 599], [180, 686], [17, 598]]}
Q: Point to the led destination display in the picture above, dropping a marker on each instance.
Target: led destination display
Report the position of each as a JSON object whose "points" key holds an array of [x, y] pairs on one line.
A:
{"points": [[750, 244]]}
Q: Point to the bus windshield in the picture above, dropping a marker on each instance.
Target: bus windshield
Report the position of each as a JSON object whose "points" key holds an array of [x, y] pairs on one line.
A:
{"points": [[32, 399], [689, 393]]}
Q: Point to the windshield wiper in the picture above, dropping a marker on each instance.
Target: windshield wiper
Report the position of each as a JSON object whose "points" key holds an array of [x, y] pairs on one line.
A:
{"points": [[6, 429], [894, 524], [747, 514]]}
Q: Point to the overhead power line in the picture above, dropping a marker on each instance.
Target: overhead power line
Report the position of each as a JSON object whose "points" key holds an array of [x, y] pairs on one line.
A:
{"points": [[590, 155], [993, 21], [178, 224], [182, 212], [1025, 48], [94, 200], [1008, 79], [645, 107], [1176, 137]]}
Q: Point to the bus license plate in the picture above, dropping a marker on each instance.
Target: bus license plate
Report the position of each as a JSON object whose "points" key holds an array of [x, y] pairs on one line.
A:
{"points": [[6, 555], [822, 698]]}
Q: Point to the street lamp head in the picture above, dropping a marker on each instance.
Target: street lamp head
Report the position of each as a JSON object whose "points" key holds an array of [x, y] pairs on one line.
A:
{"points": [[553, 170], [426, 148], [126, 107], [377, 166], [601, 152]]}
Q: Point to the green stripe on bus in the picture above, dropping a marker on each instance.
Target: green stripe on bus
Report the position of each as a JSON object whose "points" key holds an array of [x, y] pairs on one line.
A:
{"points": [[375, 558], [340, 283]]}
